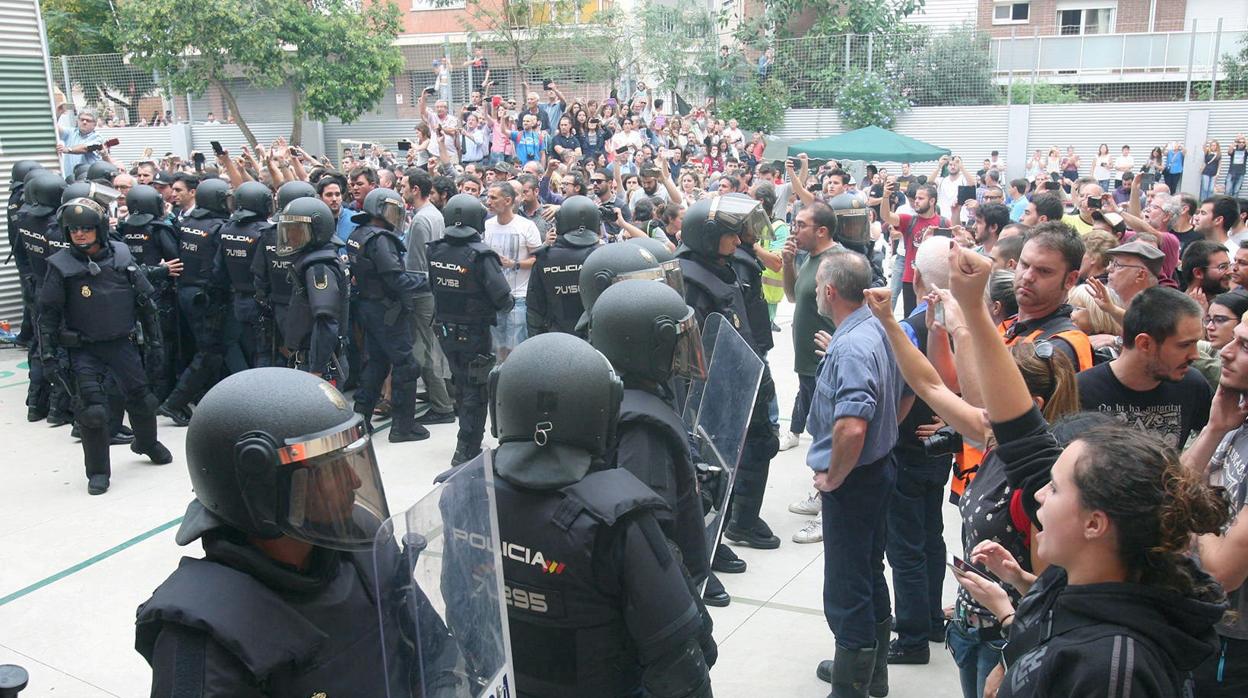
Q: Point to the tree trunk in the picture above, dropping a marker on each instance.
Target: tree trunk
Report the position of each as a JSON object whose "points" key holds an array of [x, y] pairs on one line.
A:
{"points": [[232, 104], [296, 113]]}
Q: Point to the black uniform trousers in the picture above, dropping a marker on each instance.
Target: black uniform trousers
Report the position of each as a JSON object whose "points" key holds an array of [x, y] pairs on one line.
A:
{"points": [[470, 353], [92, 365], [240, 334], [205, 365], [388, 350]]}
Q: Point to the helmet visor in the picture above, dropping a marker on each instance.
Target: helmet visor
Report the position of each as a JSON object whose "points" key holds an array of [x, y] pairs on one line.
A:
{"points": [[392, 213], [688, 360], [853, 226], [105, 195], [335, 498], [743, 215], [668, 272], [293, 234]]}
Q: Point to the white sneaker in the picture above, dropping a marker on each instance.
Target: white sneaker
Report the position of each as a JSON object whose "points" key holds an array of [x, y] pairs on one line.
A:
{"points": [[812, 532], [788, 440], [808, 507]]}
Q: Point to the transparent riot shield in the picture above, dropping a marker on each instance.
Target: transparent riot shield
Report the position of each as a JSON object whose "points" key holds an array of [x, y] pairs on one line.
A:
{"points": [[717, 412], [439, 580]]}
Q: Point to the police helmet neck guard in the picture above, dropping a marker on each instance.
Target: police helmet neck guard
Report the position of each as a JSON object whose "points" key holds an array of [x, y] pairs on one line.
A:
{"points": [[252, 200], [276, 452], [554, 419], [464, 216], [144, 204], [213, 198], [578, 221]]}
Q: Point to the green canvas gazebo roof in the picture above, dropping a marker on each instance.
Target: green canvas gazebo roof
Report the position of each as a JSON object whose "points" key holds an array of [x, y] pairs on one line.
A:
{"points": [[871, 144]]}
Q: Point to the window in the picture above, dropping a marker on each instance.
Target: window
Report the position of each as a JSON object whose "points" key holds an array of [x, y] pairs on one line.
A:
{"points": [[1085, 20], [1011, 12]]}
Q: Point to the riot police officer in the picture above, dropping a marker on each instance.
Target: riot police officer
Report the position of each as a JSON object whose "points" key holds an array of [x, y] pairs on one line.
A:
{"points": [[650, 336], [253, 204], [272, 273], [316, 319], [153, 245], [553, 303], [608, 262], [288, 497], [599, 605], [39, 239], [88, 306], [853, 230], [710, 234], [17, 186], [469, 291], [101, 172], [201, 297], [386, 297]]}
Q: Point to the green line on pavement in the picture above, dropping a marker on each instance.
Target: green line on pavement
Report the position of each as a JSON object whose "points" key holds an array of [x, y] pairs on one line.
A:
{"points": [[89, 561], [14, 385]]}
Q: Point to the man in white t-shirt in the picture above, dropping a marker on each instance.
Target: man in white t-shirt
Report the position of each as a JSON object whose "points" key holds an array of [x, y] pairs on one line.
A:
{"points": [[514, 238], [947, 185]]}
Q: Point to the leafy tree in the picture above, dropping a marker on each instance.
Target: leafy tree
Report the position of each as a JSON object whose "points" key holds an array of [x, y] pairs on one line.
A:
{"points": [[757, 107], [77, 27], [947, 69], [867, 99], [526, 31], [336, 59], [609, 49], [1024, 92], [1235, 84], [783, 19]]}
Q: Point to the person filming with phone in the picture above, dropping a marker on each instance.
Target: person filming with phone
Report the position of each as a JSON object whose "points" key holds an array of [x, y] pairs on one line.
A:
{"points": [[81, 144], [1088, 199]]}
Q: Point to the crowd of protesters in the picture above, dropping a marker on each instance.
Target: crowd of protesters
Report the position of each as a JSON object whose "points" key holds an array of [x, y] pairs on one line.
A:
{"points": [[1069, 368]]}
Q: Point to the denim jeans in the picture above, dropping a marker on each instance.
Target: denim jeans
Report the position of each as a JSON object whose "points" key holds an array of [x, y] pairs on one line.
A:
{"points": [[1206, 186], [894, 282], [976, 658], [916, 551], [801, 403], [1233, 182], [855, 524]]}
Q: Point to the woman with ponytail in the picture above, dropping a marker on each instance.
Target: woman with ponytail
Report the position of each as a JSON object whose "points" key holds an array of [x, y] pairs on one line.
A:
{"points": [[1121, 610]]}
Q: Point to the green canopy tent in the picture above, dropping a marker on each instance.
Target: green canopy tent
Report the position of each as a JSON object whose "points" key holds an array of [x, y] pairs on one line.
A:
{"points": [[870, 144]]}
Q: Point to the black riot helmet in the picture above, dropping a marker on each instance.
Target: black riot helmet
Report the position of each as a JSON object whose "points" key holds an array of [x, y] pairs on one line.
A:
{"points": [[464, 215], [80, 213], [252, 200], [213, 199], [553, 407], [646, 331], [305, 223], [100, 193], [80, 172], [578, 220], [43, 192], [853, 228], [294, 189], [21, 168], [275, 451], [144, 205], [383, 204], [709, 220], [102, 172], [609, 263]]}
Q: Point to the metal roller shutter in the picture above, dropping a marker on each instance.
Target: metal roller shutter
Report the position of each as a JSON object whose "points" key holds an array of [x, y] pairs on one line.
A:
{"points": [[26, 126], [385, 133], [1140, 125]]}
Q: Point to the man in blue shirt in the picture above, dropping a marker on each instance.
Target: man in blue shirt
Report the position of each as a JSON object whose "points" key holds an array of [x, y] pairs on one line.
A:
{"points": [[1018, 199], [76, 143], [529, 143], [853, 421]]}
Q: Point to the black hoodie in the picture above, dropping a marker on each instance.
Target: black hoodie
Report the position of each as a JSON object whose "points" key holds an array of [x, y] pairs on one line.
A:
{"points": [[1114, 640]]}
